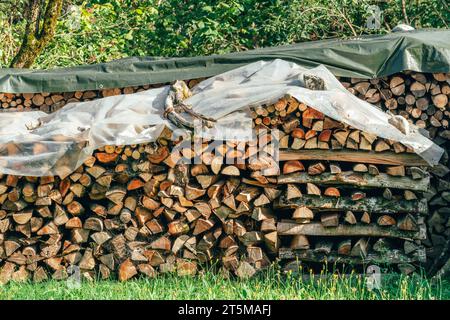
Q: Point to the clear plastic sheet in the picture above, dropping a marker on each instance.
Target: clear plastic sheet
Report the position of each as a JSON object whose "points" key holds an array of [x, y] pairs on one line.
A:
{"points": [[37, 144], [59, 143], [265, 82]]}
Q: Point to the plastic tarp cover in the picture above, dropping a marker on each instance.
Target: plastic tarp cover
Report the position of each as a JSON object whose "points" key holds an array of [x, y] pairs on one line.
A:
{"points": [[266, 82], [360, 57], [58, 143], [37, 144]]}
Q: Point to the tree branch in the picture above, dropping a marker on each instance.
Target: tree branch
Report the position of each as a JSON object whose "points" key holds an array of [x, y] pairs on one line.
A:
{"points": [[405, 16], [37, 34]]}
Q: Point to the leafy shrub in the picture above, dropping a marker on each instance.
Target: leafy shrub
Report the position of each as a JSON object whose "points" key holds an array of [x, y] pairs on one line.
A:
{"points": [[98, 30]]}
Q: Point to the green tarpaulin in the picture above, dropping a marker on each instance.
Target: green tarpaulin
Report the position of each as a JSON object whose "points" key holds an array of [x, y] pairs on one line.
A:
{"points": [[364, 57]]}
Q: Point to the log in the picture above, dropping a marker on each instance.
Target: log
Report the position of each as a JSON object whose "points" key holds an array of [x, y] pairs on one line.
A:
{"points": [[147, 213], [299, 242], [318, 229], [386, 220], [372, 204], [303, 213], [390, 258], [381, 180], [350, 218], [292, 166], [360, 248], [344, 247], [329, 220], [388, 158]]}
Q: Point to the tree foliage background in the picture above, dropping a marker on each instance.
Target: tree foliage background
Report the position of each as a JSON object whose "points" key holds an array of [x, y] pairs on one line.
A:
{"points": [[93, 31]]}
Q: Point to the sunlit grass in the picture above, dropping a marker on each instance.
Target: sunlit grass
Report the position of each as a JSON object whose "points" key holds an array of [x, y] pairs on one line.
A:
{"points": [[270, 284]]}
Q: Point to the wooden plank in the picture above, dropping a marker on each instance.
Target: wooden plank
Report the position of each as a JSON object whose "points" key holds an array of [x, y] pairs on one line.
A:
{"points": [[389, 158], [256, 183], [390, 257], [371, 204], [288, 228], [364, 180]]}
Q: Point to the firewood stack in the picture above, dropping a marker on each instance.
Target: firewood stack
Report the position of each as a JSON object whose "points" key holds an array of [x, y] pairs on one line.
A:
{"points": [[347, 196], [51, 102], [136, 209], [419, 97], [339, 195], [423, 99]]}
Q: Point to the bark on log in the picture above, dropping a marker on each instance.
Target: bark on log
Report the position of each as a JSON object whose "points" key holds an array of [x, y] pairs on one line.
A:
{"points": [[381, 180], [285, 228], [372, 204]]}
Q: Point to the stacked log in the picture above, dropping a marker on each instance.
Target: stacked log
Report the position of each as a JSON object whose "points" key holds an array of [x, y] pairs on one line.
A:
{"points": [[347, 196], [167, 206], [51, 102], [424, 100], [131, 209], [421, 98], [136, 210]]}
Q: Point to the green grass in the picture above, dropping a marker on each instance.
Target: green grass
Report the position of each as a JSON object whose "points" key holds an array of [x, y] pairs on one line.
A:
{"points": [[209, 285]]}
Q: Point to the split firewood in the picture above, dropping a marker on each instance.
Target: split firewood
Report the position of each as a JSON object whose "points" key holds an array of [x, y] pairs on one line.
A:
{"points": [[324, 246], [359, 248], [312, 189], [398, 171], [136, 209], [330, 219], [344, 247], [365, 218], [386, 220], [387, 194], [409, 195], [360, 167], [407, 223], [316, 169], [293, 192], [292, 166], [272, 241], [303, 213], [332, 192], [299, 242], [350, 217], [335, 168], [373, 170]]}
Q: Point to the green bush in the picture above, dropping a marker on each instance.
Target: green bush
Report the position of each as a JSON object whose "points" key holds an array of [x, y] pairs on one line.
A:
{"points": [[101, 30]]}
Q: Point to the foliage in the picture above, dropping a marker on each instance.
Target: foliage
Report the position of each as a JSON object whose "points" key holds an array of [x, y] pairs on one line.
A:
{"points": [[41, 22], [271, 284], [98, 30], [12, 27]]}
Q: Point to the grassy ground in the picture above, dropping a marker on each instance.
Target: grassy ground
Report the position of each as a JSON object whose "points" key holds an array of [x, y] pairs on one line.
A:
{"points": [[269, 285]]}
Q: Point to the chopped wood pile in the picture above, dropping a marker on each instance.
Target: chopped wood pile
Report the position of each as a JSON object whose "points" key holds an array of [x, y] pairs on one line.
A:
{"points": [[51, 102], [135, 209], [423, 99], [338, 195], [347, 196]]}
